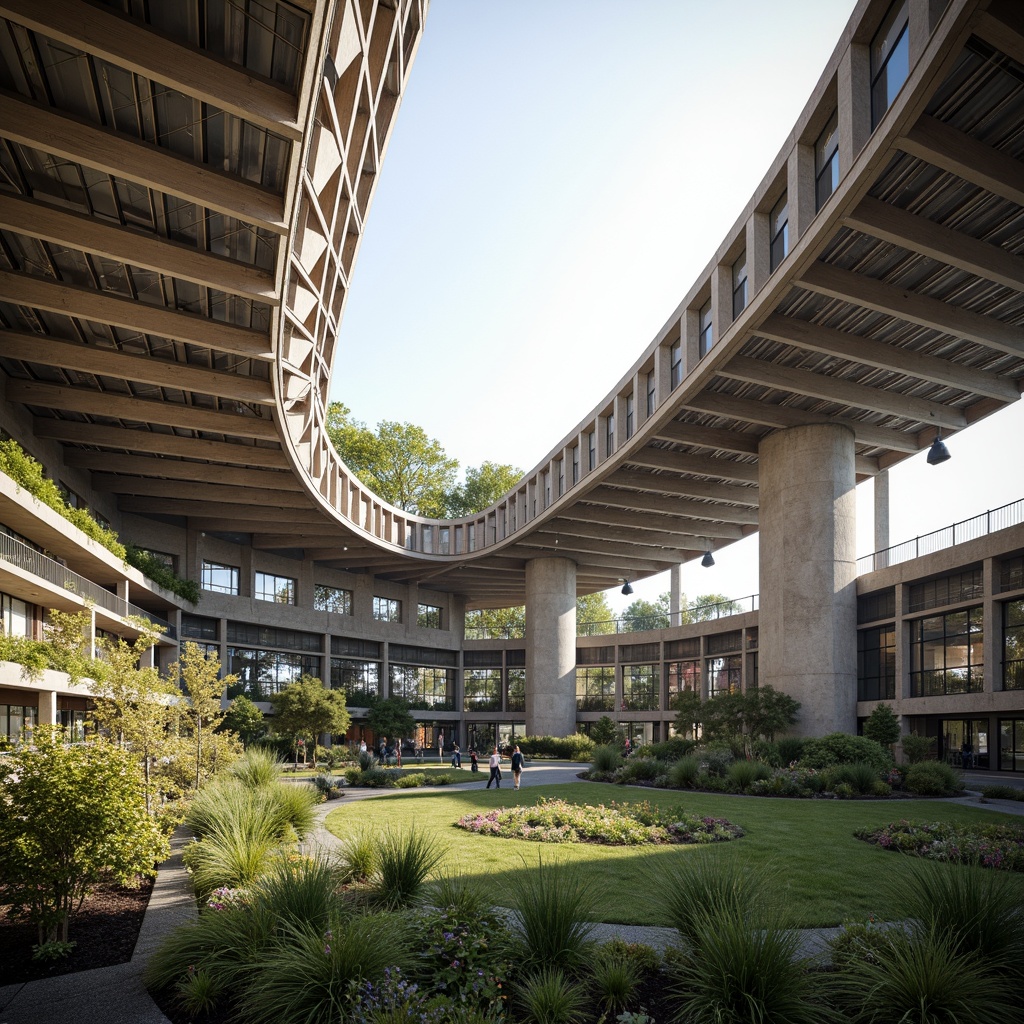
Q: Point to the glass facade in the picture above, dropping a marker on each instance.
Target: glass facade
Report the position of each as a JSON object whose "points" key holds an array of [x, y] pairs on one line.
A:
{"points": [[1011, 744], [359, 680], [276, 589], [946, 654], [332, 599], [1013, 645], [516, 700], [424, 687], [706, 337], [778, 227], [640, 688], [595, 688], [739, 285], [387, 609], [220, 579], [890, 60], [428, 616], [482, 689], [876, 663], [724, 674], [826, 162], [262, 673]]}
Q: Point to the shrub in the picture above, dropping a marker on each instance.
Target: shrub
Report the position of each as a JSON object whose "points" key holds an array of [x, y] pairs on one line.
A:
{"points": [[683, 774], [743, 774], [932, 778], [716, 761], [607, 758], [379, 778], [549, 997], [161, 573], [1002, 793], [358, 856], [841, 748], [411, 780], [640, 769], [768, 752], [613, 981], [861, 777], [459, 896], [440, 779], [988, 846], [791, 748], [553, 905], [233, 855], [366, 760], [324, 784], [576, 747], [259, 766], [303, 890], [918, 748], [669, 750], [856, 942], [405, 859]]}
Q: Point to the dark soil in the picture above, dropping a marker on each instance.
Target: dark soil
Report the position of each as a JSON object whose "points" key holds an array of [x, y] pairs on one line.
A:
{"points": [[104, 930]]}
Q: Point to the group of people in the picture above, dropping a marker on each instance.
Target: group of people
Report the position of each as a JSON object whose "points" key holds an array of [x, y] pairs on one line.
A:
{"points": [[393, 755]]}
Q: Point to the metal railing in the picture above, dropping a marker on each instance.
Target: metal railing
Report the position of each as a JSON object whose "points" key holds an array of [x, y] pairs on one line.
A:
{"points": [[949, 536], [49, 569]]}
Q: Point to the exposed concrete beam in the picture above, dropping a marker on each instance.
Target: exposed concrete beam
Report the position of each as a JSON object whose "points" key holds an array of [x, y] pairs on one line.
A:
{"points": [[831, 389], [954, 248], [829, 341], [619, 524], [955, 151], [696, 510], [665, 483], [679, 527], [1002, 27], [303, 537], [73, 432], [859, 290], [37, 126], [176, 325], [178, 489], [130, 45], [597, 553], [782, 416], [708, 437], [174, 469], [227, 513], [110, 362], [101, 403], [128, 245], [677, 462]]}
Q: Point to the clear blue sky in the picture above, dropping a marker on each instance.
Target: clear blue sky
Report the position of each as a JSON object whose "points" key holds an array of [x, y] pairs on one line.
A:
{"points": [[559, 174]]}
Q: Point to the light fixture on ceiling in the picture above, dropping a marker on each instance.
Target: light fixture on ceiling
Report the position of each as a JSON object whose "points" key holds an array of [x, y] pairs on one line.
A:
{"points": [[938, 451], [626, 588], [708, 560]]}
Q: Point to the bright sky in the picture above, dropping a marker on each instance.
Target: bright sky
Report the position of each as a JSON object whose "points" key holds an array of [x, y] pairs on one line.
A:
{"points": [[559, 175]]}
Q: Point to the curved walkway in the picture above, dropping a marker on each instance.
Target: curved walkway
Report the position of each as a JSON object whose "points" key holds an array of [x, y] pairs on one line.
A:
{"points": [[116, 995]]}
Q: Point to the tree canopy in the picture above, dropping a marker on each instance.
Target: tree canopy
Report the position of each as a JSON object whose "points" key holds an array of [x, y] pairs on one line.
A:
{"points": [[411, 470], [306, 708], [761, 713], [392, 717]]}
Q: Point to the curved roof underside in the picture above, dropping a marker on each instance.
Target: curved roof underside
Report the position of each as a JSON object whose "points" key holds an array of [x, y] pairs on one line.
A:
{"points": [[182, 196]]}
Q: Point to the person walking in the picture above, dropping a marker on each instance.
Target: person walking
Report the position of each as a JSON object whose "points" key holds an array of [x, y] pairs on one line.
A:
{"points": [[495, 765], [517, 766], [474, 761], [456, 756]]}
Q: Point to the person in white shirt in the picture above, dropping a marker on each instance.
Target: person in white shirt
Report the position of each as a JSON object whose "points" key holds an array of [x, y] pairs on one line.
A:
{"points": [[495, 765]]}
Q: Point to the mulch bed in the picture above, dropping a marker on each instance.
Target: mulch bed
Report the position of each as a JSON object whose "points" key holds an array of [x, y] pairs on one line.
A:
{"points": [[105, 931]]}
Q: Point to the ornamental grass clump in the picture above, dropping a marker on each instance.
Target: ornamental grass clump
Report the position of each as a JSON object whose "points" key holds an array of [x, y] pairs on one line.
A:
{"points": [[613, 982], [933, 778], [405, 859], [743, 774], [299, 889], [549, 997], [258, 766], [606, 758], [358, 856], [684, 773]]}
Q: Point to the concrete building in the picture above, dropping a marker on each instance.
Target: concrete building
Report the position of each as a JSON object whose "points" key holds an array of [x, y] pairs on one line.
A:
{"points": [[183, 196]]}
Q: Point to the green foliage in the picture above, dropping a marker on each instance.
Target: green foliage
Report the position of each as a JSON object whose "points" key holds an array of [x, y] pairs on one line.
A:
{"points": [[918, 748], [483, 486], [359, 856], [882, 726], [306, 708], [606, 758], [932, 778], [735, 717], [160, 573], [791, 748], [1002, 793], [575, 747], [496, 623], [27, 473], [454, 893], [684, 773], [594, 615], [639, 614], [405, 859], [259, 766], [743, 774], [554, 904], [614, 981], [640, 769], [549, 997], [244, 719], [68, 815], [989, 846], [32, 655], [861, 777], [604, 732], [63, 649], [669, 750], [841, 748], [390, 716]]}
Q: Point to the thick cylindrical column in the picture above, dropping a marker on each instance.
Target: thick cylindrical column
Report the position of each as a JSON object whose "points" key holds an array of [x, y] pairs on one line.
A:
{"points": [[807, 625], [550, 647]]}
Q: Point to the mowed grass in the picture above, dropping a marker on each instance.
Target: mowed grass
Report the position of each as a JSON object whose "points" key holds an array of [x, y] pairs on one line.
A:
{"points": [[825, 875]]}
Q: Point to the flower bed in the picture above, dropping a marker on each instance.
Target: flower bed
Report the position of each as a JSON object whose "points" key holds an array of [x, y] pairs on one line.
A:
{"points": [[990, 846], [557, 821]]}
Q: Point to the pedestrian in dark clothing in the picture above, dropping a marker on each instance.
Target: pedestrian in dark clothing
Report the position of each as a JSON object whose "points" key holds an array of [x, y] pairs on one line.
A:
{"points": [[517, 767], [474, 761]]}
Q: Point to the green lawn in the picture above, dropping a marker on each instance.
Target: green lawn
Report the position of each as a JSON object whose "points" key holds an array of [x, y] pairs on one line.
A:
{"points": [[828, 876]]}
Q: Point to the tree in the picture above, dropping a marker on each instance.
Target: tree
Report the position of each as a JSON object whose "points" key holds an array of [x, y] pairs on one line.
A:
{"points": [[709, 606], [67, 636], [497, 623], [390, 716], [768, 712], [594, 615], [306, 708], [199, 676], [641, 614], [603, 731], [688, 707], [883, 726], [244, 719], [483, 486], [69, 814]]}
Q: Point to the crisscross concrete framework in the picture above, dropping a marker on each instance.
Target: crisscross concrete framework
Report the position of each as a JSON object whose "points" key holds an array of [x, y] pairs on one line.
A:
{"points": [[182, 199]]}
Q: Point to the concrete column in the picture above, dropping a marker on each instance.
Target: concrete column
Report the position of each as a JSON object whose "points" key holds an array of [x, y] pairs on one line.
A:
{"points": [[881, 485], [47, 707], [808, 573], [550, 647], [675, 594]]}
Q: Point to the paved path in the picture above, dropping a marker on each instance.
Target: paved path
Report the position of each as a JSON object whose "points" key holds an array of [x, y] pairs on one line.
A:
{"points": [[116, 995]]}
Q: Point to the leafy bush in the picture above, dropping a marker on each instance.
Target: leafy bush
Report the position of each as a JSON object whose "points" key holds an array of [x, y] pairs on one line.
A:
{"points": [[607, 758], [441, 779], [857, 942], [576, 747], [684, 773], [162, 574], [717, 760], [932, 778], [767, 752], [841, 748], [411, 780], [918, 748], [353, 775], [988, 846], [791, 748], [861, 777], [640, 769], [324, 784], [669, 750], [1002, 793], [743, 774], [378, 778]]}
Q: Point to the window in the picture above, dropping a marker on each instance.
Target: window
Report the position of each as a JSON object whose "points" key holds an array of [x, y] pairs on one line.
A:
{"points": [[575, 463], [15, 719], [332, 599], [16, 616], [252, 633], [879, 605], [1013, 645], [725, 675], [953, 589], [675, 357], [199, 627], [1011, 573], [168, 561], [561, 477], [276, 589], [629, 415], [482, 688], [262, 673], [387, 609], [1011, 744], [778, 229], [890, 60], [221, 579], [547, 488], [428, 616], [739, 285], [826, 162], [706, 337], [682, 675], [640, 688], [359, 680], [592, 446], [423, 687], [595, 689], [947, 654], [516, 700], [609, 438], [651, 393], [876, 663]]}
